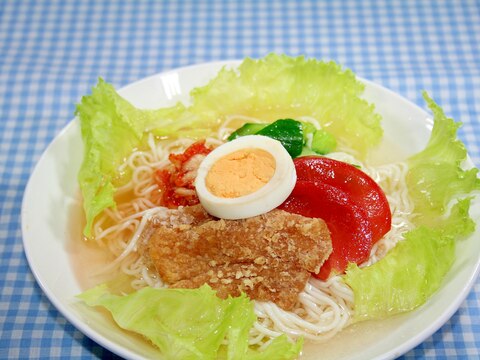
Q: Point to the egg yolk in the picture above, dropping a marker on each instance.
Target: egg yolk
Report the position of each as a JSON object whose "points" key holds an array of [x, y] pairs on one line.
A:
{"points": [[240, 173]]}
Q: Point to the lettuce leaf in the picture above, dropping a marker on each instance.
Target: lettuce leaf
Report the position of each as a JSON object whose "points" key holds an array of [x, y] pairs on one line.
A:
{"points": [[190, 324], [410, 273], [279, 86], [435, 174], [111, 129]]}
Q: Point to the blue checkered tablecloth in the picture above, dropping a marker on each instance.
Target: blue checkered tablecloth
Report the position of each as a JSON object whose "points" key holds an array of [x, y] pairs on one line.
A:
{"points": [[52, 52]]}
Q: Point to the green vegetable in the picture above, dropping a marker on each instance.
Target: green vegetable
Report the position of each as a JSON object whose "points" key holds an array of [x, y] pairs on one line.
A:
{"points": [[298, 137], [308, 130], [279, 86], [289, 132], [190, 324], [247, 129], [435, 174], [410, 273], [323, 142], [111, 129], [316, 141]]}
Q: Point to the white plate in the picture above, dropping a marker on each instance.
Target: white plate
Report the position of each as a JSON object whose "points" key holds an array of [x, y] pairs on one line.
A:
{"points": [[51, 197]]}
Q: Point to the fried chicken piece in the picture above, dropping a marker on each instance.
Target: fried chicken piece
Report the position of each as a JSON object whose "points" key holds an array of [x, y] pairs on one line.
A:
{"points": [[269, 257]]}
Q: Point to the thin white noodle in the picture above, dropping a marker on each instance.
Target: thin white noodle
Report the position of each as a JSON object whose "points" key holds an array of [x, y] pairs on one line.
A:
{"points": [[323, 309], [133, 242]]}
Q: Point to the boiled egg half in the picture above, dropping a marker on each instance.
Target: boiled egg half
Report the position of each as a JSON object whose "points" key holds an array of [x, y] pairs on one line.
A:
{"points": [[245, 177]]}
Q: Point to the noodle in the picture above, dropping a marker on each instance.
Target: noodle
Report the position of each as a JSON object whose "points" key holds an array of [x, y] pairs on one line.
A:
{"points": [[324, 307]]}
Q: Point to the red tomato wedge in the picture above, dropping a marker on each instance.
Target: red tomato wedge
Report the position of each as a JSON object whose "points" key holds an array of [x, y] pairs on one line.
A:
{"points": [[360, 187], [352, 204], [349, 226]]}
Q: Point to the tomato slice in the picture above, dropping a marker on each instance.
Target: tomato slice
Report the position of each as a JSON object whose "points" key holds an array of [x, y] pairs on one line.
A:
{"points": [[360, 187], [352, 204], [349, 225]]}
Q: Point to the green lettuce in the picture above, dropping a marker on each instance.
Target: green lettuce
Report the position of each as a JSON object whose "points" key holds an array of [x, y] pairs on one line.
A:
{"points": [[435, 174], [111, 129], [271, 88], [190, 324], [410, 273], [279, 86]]}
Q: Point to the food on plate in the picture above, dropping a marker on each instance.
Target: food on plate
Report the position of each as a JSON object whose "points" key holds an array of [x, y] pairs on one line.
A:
{"points": [[353, 205], [177, 179], [297, 137], [190, 324], [153, 197], [245, 177], [269, 257]]}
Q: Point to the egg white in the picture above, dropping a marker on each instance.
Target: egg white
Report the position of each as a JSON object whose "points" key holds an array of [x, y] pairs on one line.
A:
{"points": [[263, 200]]}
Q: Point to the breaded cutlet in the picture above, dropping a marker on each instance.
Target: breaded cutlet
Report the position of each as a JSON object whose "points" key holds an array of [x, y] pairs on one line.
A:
{"points": [[269, 257]]}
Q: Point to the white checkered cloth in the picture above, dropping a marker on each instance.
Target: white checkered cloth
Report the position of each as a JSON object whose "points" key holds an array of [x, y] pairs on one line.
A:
{"points": [[52, 52]]}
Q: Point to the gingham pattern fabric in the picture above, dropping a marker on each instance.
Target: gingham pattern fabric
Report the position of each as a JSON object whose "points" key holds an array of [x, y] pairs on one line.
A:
{"points": [[52, 52]]}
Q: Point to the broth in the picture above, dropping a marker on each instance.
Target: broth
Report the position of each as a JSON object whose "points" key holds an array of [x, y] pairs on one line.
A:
{"points": [[87, 257]]}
